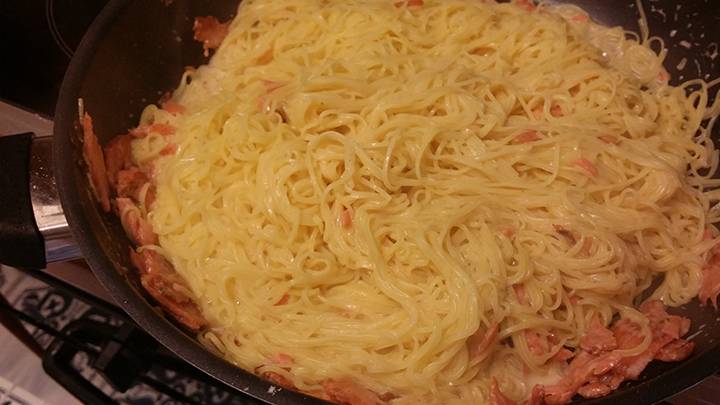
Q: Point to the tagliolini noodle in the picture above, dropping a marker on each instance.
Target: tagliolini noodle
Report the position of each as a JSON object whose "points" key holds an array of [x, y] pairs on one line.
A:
{"points": [[365, 186]]}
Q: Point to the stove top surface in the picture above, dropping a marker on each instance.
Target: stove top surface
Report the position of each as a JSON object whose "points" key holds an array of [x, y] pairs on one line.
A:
{"points": [[39, 39]]}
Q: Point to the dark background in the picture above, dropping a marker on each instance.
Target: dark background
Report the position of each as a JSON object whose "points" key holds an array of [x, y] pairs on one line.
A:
{"points": [[37, 40]]}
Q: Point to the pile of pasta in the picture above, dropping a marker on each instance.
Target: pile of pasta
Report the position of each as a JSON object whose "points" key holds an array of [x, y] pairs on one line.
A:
{"points": [[434, 201]]}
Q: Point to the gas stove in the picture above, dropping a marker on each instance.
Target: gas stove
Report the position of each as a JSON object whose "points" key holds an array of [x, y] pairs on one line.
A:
{"points": [[96, 353]]}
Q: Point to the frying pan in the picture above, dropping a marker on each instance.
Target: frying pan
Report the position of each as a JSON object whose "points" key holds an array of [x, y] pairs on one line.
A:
{"points": [[136, 50]]}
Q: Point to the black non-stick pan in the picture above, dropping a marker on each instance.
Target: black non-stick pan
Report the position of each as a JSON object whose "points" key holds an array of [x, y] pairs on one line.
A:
{"points": [[138, 49]]}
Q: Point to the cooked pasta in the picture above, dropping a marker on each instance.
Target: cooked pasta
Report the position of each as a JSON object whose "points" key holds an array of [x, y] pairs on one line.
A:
{"points": [[422, 196]]}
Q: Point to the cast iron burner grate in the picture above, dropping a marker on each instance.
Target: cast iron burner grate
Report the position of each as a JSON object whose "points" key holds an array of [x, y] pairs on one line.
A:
{"points": [[102, 354]]}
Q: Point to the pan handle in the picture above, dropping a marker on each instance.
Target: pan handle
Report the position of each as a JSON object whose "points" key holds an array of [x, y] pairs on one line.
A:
{"points": [[33, 229]]}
